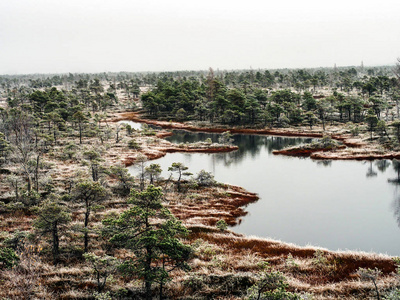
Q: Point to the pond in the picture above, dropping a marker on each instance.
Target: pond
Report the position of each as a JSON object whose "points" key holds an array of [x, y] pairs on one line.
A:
{"points": [[339, 205], [134, 125]]}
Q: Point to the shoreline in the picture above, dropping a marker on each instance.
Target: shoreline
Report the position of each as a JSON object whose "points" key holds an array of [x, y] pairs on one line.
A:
{"points": [[356, 149], [134, 116], [201, 217]]}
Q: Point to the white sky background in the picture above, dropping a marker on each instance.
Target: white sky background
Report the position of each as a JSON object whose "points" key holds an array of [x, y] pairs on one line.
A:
{"points": [[49, 36]]}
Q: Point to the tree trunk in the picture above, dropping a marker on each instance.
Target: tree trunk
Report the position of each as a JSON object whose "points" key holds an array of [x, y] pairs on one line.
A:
{"points": [[80, 133], [16, 191], [85, 234], [37, 173], [161, 290], [147, 275], [55, 135], [29, 184], [55, 243]]}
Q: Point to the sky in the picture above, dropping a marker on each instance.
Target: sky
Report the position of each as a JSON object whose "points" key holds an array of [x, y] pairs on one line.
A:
{"points": [[48, 36]]}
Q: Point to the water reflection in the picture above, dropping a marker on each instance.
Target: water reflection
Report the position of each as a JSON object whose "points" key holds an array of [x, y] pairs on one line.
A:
{"points": [[396, 201], [325, 163], [249, 145], [382, 164], [337, 205], [395, 206], [396, 168], [371, 172]]}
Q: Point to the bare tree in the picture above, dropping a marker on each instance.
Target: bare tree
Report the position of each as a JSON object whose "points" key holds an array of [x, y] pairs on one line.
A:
{"points": [[20, 125], [396, 69], [140, 165]]}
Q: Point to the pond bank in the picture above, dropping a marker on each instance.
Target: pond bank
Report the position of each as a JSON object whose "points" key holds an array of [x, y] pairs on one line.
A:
{"points": [[356, 148], [135, 116], [333, 277]]}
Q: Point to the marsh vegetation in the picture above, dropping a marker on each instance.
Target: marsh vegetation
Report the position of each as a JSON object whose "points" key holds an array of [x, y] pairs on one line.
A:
{"points": [[75, 224]]}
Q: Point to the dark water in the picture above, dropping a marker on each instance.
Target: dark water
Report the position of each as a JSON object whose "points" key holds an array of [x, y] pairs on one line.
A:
{"points": [[346, 205]]}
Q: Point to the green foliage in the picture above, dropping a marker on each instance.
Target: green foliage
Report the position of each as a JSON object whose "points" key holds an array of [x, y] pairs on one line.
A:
{"points": [[393, 295], [222, 225], [132, 144], [153, 172], [103, 267], [355, 130], [102, 296], [129, 129], [70, 150], [181, 114], [309, 103], [320, 259], [151, 232], [396, 127], [370, 274], [5, 148], [225, 138], [180, 168], [8, 258], [205, 178], [310, 119], [30, 198], [291, 263], [221, 286], [271, 285], [372, 121], [90, 194], [81, 119], [327, 142], [125, 180], [52, 219], [91, 154], [16, 240]]}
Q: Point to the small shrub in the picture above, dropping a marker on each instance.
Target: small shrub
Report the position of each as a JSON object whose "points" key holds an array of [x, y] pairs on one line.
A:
{"points": [[16, 240], [194, 282], [181, 114], [370, 274], [8, 258], [205, 178], [355, 131], [225, 138], [70, 150], [208, 141], [195, 197], [222, 225], [103, 268], [14, 206], [271, 285], [102, 296], [320, 259], [291, 263], [205, 250], [132, 144], [393, 295]]}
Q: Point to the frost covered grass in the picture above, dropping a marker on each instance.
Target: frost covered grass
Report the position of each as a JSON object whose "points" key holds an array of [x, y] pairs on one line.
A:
{"points": [[224, 264]]}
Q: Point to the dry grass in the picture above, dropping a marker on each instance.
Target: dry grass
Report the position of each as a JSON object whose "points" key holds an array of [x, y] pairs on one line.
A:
{"points": [[224, 263], [224, 202]]}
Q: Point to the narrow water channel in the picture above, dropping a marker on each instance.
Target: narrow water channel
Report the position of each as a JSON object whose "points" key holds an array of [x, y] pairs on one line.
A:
{"points": [[339, 205]]}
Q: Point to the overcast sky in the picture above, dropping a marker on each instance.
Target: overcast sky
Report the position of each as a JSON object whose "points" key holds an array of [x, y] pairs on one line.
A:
{"points": [[48, 36]]}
